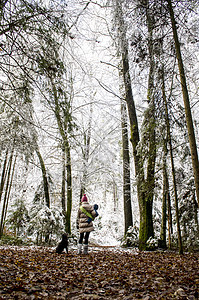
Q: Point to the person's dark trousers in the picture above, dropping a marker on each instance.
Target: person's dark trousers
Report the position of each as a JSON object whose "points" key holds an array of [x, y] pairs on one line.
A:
{"points": [[85, 237]]}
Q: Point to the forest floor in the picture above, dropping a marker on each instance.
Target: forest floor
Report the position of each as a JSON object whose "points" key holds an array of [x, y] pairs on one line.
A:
{"points": [[105, 273]]}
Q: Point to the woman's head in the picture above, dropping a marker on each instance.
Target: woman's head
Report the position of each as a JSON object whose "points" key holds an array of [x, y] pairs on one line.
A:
{"points": [[84, 198]]}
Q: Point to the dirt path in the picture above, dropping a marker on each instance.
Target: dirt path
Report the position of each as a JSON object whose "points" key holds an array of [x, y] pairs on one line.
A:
{"points": [[106, 273]]}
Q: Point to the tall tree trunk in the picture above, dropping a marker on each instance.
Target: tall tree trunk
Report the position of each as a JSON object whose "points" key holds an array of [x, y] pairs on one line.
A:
{"points": [[146, 203], [45, 179], [63, 130], [170, 223], [63, 189], [86, 153], [3, 175], [139, 173], [128, 219], [176, 200], [144, 191], [115, 198], [189, 121], [3, 213], [69, 188], [164, 199], [10, 186], [172, 164], [195, 209]]}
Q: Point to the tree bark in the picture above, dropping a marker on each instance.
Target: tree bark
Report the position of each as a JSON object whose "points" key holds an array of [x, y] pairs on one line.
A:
{"points": [[10, 187], [170, 223], [69, 188], [164, 199], [128, 219], [3, 214], [86, 153], [115, 198], [146, 203], [189, 121], [3, 175], [63, 189], [63, 130], [45, 179], [145, 189], [195, 209], [172, 165], [176, 200]]}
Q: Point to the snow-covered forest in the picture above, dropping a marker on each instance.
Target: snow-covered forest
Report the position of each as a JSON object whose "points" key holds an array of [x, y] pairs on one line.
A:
{"points": [[100, 97]]}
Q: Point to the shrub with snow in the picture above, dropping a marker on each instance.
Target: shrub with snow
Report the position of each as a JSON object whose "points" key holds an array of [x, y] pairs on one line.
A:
{"points": [[131, 239], [46, 224]]}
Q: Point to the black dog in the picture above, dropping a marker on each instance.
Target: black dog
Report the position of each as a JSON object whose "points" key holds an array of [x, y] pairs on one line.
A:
{"points": [[63, 244]]}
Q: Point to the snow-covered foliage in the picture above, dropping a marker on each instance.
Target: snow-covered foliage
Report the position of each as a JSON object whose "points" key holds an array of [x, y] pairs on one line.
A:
{"points": [[45, 224], [152, 243], [38, 223], [18, 218], [131, 238], [88, 69]]}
